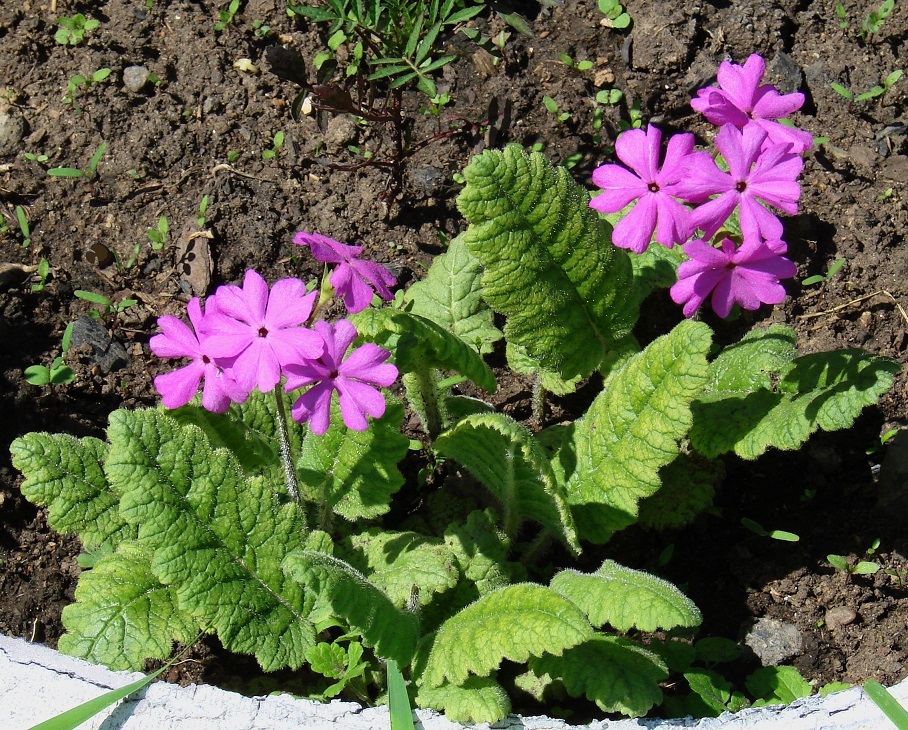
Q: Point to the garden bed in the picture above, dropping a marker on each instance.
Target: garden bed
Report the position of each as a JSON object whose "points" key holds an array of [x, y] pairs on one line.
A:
{"points": [[200, 133]]}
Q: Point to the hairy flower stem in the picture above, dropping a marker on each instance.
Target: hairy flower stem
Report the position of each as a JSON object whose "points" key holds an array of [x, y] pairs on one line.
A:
{"points": [[423, 383], [286, 454], [537, 548], [539, 392]]}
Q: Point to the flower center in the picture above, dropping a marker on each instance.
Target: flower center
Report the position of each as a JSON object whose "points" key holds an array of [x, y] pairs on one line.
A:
{"points": [[206, 359], [741, 186], [263, 331], [654, 187]]}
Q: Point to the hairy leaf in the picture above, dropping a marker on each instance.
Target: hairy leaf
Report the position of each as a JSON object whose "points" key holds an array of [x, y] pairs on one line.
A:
{"points": [[626, 598], [611, 457], [752, 362], [365, 607], [354, 473], [777, 686], [548, 263], [123, 614], [67, 475], [450, 296], [688, 487], [616, 674], [826, 390], [481, 550], [515, 622], [218, 536], [478, 699], [396, 562], [504, 456], [520, 362], [417, 343]]}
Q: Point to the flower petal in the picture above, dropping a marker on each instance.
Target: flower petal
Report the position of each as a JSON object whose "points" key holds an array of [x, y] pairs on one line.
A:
{"points": [[635, 230], [639, 150]]}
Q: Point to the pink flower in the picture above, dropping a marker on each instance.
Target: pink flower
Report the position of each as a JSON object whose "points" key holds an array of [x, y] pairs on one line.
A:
{"points": [[261, 332], [741, 100], [353, 379], [655, 190], [179, 387], [748, 275], [352, 279], [756, 175]]}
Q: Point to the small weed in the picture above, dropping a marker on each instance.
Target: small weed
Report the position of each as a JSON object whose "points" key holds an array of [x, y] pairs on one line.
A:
{"points": [[39, 158], [842, 16], [83, 82], [635, 118], [158, 236], [89, 173], [615, 17], [23, 226], [757, 529], [43, 272], [879, 447], [225, 15], [276, 143], [571, 161], [232, 156], [576, 65], [58, 372], [108, 306], [203, 209], [873, 23], [833, 269], [71, 31], [875, 91], [862, 567], [259, 29], [552, 106]]}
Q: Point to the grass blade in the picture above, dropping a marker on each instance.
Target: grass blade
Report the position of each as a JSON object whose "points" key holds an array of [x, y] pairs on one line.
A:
{"points": [[398, 701], [883, 699]]}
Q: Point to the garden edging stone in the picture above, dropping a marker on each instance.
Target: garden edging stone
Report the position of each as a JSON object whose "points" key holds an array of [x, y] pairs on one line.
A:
{"points": [[37, 683]]}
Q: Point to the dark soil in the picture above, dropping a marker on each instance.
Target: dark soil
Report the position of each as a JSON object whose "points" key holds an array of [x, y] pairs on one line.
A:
{"points": [[169, 145]]}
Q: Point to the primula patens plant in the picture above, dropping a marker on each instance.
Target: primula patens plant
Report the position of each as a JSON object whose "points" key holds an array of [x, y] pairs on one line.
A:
{"points": [[275, 514]]}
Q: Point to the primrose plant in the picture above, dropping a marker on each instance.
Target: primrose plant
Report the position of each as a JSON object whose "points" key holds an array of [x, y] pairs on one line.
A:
{"points": [[275, 515]]}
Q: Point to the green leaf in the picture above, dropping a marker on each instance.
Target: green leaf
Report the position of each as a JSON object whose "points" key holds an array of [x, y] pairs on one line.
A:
{"points": [[218, 536], [65, 172], [626, 598], [329, 660], [612, 455], [398, 701], [417, 343], [37, 375], [123, 615], [548, 264], [826, 390], [711, 688], [481, 551], [354, 473], [478, 699], [451, 296], [514, 622], [752, 362], [520, 362], [250, 448], [67, 475], [688, 487], [889, 705], [777, 686], [361, 604], [615, 673], [505, 457]]}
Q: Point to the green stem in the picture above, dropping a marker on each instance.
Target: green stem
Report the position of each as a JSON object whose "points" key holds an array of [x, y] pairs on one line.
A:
{"points": [[539, 392], [537, 548], [286, 454], [511, 511], [427, 391]]}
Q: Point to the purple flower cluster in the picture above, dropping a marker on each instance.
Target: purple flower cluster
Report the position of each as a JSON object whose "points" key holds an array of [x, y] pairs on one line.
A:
{"points": [[250, 337], [762, 163]]}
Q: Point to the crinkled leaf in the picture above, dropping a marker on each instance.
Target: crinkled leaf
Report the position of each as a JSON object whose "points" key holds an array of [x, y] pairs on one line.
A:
{"points": [[712, 694], [520, 362], [753, 361], [515, 622], [478, 699], [655, 268], [548, 263], [612, 456], [365, 607], [626, 598], [218, 536], [826, 390], [616, 674], [251, 448], [777, 686], [417, 343], [396, 562], [450, 296], [688, 487], [354, 473], [504, 456], [67, 475], [123, 614]]}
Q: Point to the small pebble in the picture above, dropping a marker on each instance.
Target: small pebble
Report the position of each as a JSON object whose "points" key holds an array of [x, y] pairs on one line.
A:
{"points": [[12, 132], [839, 616], [135, 77]]}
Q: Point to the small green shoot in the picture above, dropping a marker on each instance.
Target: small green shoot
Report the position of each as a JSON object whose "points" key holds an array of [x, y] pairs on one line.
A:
{"points": [[842, 16], [890, 706], [871, 93], [39, 158], [225, 15], [71, 31], [552, 106], [108, 306], [80, 81], [576, 65], [862, 567], [873, 23], [398, 701], [203, 209], [23, 226], [571, 161], [757, 529], [42, 272], [259, 29], [615, 17], [158, 235], [833, 269], [276, 144], [232, 156], [635, 118], [89, 173], [58, 373]]}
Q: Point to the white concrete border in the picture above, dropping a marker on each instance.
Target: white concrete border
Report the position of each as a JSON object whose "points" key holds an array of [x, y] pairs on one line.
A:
{"points": [[37, 683]]}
